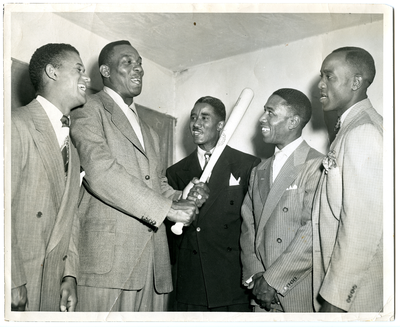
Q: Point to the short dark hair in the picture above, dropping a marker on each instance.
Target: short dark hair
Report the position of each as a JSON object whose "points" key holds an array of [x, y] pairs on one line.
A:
{"points": [[107, 52], [52, 53], [361, 60], [217, 104], [298, 103]]}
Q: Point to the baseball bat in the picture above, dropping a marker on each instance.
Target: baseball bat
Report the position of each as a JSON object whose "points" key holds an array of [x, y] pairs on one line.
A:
{"points": [[238, 112]]}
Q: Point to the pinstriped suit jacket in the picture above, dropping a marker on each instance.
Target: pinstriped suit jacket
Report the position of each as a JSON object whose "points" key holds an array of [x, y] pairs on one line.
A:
{"points": [[43, 212], [126, 200], [348, 217], [276, 231]]}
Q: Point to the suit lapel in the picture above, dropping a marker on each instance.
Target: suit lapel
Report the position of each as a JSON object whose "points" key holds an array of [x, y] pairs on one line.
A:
{"points": [[69, 200], [121, 121], [285, 178], [46, 141], [264, 180], [191, 169]]}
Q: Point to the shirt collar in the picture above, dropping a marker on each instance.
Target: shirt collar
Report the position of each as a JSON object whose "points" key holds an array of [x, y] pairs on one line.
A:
{"points": [[289, 149], [345, 114], [117, 98]]}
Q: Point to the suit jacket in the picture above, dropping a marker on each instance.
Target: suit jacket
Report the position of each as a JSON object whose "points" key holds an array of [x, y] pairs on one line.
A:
{"points": [[43, 208], [348, 217], [126, 200], [276, 231], [209, 269]]}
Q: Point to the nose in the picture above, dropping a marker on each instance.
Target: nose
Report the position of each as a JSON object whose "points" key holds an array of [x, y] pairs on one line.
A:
{"points": [[263, 118], [86, 78], [139, 69], [321, 84]]}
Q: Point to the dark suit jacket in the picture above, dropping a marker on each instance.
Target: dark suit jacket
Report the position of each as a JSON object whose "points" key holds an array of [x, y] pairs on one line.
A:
{"points": [[126, 200], [43, 213], [209, 269]]}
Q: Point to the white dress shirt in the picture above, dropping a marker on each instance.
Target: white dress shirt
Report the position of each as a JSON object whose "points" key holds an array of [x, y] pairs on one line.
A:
{"points": [[129, 111], [282, 155], [55, 116], [200, 155]]}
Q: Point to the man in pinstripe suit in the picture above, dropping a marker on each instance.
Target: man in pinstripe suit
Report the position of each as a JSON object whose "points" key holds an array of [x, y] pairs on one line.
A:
{"points": [[276, 237], [44, 187]]}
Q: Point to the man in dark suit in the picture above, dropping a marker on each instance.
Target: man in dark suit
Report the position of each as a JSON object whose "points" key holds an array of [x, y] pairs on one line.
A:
{"points": [[208, 256], [123, 244], [45, 184], [276, 237]]}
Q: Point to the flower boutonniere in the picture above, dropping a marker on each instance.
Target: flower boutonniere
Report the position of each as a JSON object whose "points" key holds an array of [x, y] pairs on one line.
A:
{"points": [[329, 161]]}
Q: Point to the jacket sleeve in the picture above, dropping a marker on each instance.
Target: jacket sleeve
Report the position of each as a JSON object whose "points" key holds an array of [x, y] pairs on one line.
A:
{"points": [[251, 264], [295, 263], [361, 218], [17, 157], [105, 177]]}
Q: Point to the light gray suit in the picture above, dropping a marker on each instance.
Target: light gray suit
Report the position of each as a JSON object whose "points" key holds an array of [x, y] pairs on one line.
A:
{"points": [[43, 214], [348, 217], [276, 231], [126, 201]]}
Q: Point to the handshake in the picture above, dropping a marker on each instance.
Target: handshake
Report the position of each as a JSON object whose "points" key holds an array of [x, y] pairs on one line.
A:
{"points": [[185, 210]]}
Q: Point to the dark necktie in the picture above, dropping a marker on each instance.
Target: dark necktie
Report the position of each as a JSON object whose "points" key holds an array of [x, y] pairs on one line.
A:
{"points": [[207, 156], [65, 146], [337, 125]]}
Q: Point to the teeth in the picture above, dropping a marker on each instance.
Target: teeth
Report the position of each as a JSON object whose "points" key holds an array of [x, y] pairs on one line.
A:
{"points": [[135, 80], [82, 87], [265, 129]]}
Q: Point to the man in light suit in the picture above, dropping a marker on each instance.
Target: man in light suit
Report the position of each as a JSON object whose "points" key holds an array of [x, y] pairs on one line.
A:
{"points": [[276, 236], [123, 244], [208, 256], [348, 213], [44, 188]]}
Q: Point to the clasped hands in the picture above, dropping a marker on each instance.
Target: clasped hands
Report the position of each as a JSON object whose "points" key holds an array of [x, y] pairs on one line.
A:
{"points": [[264, 293], [185, 210]]}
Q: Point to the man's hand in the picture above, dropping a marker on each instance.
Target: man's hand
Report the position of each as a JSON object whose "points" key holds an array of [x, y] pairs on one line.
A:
{"points": [[199, 193], [68, 296], [264, 293], [19, 298], [327, 307], [183, 211]]}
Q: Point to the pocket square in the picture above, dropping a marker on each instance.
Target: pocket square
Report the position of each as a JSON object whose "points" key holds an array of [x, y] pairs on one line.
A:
{"points": [[292, 187], [233, 181]]}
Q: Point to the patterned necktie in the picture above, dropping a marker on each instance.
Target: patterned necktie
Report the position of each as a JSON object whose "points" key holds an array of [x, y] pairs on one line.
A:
{"points": [[337, 125], [207, 156]]}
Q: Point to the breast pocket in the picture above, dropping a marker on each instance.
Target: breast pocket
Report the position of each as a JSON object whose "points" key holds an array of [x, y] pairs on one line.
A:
{"points": [[96, 244]]}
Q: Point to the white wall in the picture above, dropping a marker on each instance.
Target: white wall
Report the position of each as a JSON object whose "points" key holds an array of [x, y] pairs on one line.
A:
{"points": [[295, 65], [30, 30]]}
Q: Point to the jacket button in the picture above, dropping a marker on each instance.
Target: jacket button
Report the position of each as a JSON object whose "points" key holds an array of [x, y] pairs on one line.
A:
{"points": [[232, 202], [194, 252], [229, 249], [65, 258], [39, 214], [225, 226], [147, 177], [198, 229], [150, 230], [279, 240], [285, 209]]}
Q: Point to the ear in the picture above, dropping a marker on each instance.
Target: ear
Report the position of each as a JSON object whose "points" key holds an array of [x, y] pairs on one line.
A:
{"points": [[357, 82], [220, 125], [105, 71], [51, 72], [294, 122]]}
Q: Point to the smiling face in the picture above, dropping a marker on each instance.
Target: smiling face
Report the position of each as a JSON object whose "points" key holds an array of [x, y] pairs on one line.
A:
{"points": [[205, 126], [275, 122], [336, 84], [124, 73], [72, 82]]}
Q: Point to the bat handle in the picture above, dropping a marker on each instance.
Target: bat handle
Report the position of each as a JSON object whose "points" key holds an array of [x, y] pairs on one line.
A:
{"points": [[177, 228]]}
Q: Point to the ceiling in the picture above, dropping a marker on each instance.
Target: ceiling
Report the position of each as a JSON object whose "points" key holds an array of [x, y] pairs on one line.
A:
{"points": [[178, 41]]}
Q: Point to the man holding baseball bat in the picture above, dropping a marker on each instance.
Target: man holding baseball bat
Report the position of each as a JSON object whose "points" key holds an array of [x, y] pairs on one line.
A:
{"points": [[123, 248], [276, 237], [208, 256]]}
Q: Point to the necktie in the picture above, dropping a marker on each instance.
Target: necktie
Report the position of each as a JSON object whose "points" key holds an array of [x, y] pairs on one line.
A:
{"points": [[65, 121], [65, 146], [207, 156], [337, 126], [135, 125]]}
